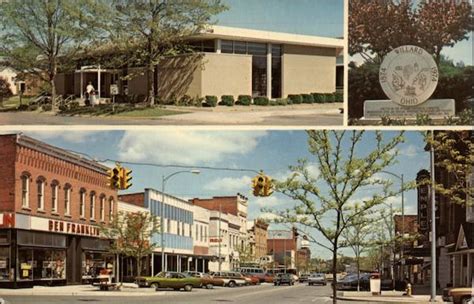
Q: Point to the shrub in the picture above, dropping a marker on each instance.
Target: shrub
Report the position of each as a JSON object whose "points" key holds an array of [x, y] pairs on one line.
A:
{"points": [[319, 98], [308, 98], [339, 97], [227, 100], [47, 107], [32, 107], [62, 108], [330, 97], [244, 100], [261, 101], [295, 99], [211, 101], [282, 101], [186, 100], [74, 105], [22, 107]]}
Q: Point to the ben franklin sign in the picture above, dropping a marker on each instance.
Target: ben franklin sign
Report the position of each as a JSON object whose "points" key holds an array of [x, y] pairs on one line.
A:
{"points": [[408, 75]]}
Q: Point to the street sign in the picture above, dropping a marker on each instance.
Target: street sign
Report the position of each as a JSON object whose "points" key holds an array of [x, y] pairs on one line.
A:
{"points": [[114, 89]]}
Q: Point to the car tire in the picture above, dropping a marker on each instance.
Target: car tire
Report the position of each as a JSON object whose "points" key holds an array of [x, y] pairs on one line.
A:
{"points": [[155, 285], [209, 286], [188, 288], [467, 300], [231, 284]]}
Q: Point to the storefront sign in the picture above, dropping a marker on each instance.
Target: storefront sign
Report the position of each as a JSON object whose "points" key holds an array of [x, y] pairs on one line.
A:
{"points": [[7, 220], [72, 228]]}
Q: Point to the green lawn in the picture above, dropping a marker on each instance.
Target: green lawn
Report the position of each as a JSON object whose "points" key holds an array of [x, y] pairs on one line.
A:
{"points": [[148, 113], [14, 101]]}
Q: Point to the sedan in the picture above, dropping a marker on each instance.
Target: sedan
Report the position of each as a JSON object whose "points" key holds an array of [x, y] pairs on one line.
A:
{"points": [[207, 281], [317, 279], [174, 280], [284, 278]]}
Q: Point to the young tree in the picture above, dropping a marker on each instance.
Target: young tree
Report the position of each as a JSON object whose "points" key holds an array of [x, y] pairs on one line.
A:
{"points": [[357, 235], [132, 234], [5, 90], [345, 171], [38, 36], [154, 29]]}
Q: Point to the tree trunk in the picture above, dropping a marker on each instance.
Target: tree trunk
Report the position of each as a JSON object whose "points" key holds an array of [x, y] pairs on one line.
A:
{"points": [[151, 84], [139, 266], [334, 273], [358, 270]]}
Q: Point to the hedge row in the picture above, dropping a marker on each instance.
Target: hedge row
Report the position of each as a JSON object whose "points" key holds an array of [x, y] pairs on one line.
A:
{"points": [[246, 100]]}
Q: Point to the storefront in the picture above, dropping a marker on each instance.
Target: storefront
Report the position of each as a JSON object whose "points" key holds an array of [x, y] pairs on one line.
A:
{"points": [[32, 257]]}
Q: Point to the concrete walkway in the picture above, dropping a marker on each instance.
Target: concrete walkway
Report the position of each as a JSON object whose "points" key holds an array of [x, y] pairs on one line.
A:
{"points": [[128, 289], [386, 297]]}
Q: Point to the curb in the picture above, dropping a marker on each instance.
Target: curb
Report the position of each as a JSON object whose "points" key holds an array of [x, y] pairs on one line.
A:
{"points": [[385, 300]]}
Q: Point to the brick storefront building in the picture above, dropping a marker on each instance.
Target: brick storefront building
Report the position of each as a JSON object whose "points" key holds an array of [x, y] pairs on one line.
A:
{"points": [[51, 203]]}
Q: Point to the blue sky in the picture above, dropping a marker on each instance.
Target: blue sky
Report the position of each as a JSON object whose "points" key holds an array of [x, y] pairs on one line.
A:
{"points": [[307, 17], [271, 151]]}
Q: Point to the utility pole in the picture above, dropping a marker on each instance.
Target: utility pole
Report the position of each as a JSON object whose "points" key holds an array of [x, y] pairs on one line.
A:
{"points": [[220, 237], [433, 223]]}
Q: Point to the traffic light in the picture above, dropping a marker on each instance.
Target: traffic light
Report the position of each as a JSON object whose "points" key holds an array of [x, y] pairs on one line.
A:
{"points": [[258, 183], [126, 177], [114, 177], [262, 185], [268, 187]]}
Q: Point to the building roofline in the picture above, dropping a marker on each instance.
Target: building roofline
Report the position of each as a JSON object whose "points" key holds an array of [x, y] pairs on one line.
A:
{"points": [[31, 143], [234, 33]]}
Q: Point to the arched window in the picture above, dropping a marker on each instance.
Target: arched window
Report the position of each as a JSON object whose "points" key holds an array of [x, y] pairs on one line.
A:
{"points": [[111, 208], [25, 190], [67, 199], [54, 195], [102, 207], [92, 206], [40, 182], [82, 203]]}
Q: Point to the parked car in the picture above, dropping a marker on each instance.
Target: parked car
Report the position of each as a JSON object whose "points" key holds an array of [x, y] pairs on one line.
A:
{"points": [[284, 278], [303, 277], [459, 295], [349, 282], [231, 279], [268, 278], [254, 280], [317, 279], [174, 280], [207, 281]]}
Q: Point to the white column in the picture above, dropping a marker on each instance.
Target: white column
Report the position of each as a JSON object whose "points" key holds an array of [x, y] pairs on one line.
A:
{"points": [[178, 263], [269, 70], [98, 84], [218, 46], [82, 84], [203, 265], [152, 264]]}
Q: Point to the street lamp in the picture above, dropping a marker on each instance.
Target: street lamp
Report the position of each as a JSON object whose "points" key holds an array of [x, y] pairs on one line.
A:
{"points": [[162, 231], [402, 190]]}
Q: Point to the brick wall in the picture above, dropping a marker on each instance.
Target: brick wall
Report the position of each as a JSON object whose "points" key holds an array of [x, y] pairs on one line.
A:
{"points": [[7, 175], [228, 204], [137, 199], [279, 245], [52, 170]]}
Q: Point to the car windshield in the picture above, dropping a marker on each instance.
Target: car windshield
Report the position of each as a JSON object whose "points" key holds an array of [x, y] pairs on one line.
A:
{"points": [[317, 275]]}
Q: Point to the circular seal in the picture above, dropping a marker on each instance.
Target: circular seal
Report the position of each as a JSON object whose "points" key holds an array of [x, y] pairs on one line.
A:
{"points": [[408, 75]]}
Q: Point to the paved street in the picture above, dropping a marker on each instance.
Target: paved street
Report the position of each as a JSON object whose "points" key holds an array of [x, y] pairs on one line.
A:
{"points": [[249, 295], [300, 115]]}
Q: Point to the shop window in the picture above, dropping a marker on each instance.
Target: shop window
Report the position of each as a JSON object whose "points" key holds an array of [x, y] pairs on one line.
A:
{"points": [[96, 263], [54, 196], [49, 264], [82, 203], [102, 208], [40, 186], [25, 190], [92, 206], [227, 46], [67, 199], [5, 272], [25, 265]]}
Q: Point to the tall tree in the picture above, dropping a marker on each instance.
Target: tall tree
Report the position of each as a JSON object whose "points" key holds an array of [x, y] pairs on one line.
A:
{"points": [[345, 171], [132, 234], [377, 27], [157, 28], [454, 153], [38, 36]]}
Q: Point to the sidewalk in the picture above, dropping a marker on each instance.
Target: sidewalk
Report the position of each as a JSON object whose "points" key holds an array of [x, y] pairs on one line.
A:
{"points": [[128, 289], [386, 297]]}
